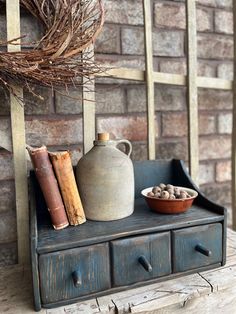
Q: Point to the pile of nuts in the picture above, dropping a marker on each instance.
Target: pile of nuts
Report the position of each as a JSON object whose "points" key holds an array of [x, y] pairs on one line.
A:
{"points": [[168, 192]]}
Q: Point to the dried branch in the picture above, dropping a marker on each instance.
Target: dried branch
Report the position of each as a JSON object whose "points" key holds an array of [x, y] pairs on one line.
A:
{"points": [[71, 26]]}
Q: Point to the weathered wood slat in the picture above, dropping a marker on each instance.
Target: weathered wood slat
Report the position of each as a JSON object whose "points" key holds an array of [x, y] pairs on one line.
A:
{"points": [[89, 109], [125, 73], [234, 131], [149, 80], [192, 89], [168, 78], [213, 82], [18, 141]]}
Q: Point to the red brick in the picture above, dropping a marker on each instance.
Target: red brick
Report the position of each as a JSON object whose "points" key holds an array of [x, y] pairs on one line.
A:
{"points": [[170, 15], [172, 149], [35, 105], [136, 98], [132, 41], [169, 98], [6, 166], [129, 12], [3, 26], [131, 128], [110, 99], [165, 43], [207, 124], [166, 98], [168, 43], [210, 99], [204, 20], [219, 193], [8, 227], [175, 124], [215, 47], [224, 22], [32, 104], [214, 147], [31, 29], [54, 132], [226, 71], [8, 254], [71, 104], [206, 173], [205, 68], [5, 100], [173, 15], [7, 196], [225, 123], [5, 133], [223, 171], [173, 66], [109, 40], [139, 151]]}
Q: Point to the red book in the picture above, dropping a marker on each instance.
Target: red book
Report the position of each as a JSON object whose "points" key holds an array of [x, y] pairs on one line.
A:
{"points": [[48, 183]]}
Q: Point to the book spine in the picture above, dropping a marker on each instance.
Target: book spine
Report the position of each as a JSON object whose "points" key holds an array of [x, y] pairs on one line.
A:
{"points": [[65, 176], [48, 184]]}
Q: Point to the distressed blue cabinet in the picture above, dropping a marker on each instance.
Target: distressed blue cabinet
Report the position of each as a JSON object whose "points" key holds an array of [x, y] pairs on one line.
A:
{"points": [[197, 246], [97, 258], [140, 258], [72, 273]]}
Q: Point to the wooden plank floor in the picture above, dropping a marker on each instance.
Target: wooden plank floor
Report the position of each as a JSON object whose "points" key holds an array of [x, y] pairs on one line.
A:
{"points": [[208, 292]]}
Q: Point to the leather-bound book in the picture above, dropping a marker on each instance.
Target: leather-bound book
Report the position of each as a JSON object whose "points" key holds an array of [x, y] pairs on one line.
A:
{"points": [[48, 183], [66, 179]]}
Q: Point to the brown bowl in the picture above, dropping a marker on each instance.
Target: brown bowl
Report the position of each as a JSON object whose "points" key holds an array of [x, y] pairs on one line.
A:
{"points": [[166, 206]]}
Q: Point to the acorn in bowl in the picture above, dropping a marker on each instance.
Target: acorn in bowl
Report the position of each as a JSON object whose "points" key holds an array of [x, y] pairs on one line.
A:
{"points": [[169, 199]]}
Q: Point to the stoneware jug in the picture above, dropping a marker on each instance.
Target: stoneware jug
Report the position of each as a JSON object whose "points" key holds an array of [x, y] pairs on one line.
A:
{"points": [[105, 179]]}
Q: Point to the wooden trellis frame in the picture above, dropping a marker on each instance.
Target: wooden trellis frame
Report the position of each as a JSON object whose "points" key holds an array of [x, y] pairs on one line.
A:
{"points": [[192, 81]]}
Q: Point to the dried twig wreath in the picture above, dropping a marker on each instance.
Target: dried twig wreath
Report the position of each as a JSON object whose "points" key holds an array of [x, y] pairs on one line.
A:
{"points": [[56, 60]]}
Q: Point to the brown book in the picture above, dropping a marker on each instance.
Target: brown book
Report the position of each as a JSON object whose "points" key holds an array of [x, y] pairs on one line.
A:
{"points": [[48, 183], [66, 179]]}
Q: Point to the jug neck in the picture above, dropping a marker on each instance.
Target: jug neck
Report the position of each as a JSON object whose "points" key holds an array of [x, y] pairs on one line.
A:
{"points": [[104, 140]]}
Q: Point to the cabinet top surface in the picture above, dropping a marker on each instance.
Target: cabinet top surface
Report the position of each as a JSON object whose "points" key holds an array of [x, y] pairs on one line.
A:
{"points": [[142, 221]]}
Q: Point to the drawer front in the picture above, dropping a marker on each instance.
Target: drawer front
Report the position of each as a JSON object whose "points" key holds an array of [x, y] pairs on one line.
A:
{"points": [[140, 258], [196, 247], [72, 273]]}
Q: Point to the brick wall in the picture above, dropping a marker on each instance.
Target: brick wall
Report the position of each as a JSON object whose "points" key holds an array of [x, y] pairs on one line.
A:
{"points": [[121, 105]]}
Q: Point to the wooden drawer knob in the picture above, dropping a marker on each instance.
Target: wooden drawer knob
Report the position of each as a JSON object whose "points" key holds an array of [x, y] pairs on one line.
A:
{"points": [[145, 263], [201, 249], [76, 276]]}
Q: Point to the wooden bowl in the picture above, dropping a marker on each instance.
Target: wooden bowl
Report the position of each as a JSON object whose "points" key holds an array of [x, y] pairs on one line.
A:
{"points": [[166, 206]]}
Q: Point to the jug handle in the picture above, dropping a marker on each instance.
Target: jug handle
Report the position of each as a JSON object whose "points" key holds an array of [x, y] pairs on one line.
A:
{"points": [[128, 146]]}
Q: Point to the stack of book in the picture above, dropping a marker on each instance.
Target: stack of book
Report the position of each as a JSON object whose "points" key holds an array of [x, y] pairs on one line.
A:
{"points": [[56, 178]]}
